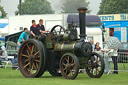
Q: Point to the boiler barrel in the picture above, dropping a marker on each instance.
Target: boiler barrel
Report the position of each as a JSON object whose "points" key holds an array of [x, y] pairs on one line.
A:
{"points": [[64, 46], [80, 49]]}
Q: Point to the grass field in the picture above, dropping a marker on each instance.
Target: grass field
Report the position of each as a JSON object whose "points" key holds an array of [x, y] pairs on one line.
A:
{"points": [[13, 77]]}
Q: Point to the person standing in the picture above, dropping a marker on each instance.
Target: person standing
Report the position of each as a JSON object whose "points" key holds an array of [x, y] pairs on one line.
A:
{"points": [[107, 56], [93, 46], [41, 27], [23, 36], [4, 55], [34, 29], [114, 54]]}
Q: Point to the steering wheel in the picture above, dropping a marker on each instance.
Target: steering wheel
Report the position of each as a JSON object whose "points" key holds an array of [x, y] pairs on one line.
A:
{"points": [[57, 29]]}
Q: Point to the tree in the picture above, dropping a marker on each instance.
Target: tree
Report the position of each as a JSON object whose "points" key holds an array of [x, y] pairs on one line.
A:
{"points": [[114, 7], [71, 6], [4, 14], [35, 7], [101, 10]]}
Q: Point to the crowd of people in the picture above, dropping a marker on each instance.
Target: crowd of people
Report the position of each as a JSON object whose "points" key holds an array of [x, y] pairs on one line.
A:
{"points": [[108, 54], [95, 47], [35, 29]]}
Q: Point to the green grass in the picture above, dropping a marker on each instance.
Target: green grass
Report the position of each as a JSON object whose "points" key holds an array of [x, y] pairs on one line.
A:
{"points": [[13, 77]]}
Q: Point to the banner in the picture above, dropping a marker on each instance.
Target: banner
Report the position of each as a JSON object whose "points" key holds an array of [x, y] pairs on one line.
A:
{"points": [[114, 17]]}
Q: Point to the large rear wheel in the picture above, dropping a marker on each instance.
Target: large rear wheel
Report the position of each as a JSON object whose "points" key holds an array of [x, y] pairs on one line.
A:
{"points": [[32, 58]]}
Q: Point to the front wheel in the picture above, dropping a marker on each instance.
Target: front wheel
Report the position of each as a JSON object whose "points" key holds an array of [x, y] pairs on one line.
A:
{"points": [[69, 66], [95, 68]]}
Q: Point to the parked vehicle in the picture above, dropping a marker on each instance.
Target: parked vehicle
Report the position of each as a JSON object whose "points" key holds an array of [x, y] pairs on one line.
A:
{"points": [[2, 41], [123, 53]]}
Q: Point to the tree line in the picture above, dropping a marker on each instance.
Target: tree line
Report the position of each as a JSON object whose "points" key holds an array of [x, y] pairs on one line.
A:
{"points": [[69, 6]]}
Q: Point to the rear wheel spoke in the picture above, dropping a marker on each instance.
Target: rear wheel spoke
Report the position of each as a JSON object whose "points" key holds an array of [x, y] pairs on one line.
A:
{"points": [[71, 72], [29, 67], [36, 53], [26, 60], [29, 48], [34, 66], [37, 60], [31, 70], [25, 55], [28, 53], [37, 65], [26, 65], [32, 49]]}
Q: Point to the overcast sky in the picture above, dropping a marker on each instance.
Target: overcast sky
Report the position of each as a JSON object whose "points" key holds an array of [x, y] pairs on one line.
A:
{"points": [[10, 6]]}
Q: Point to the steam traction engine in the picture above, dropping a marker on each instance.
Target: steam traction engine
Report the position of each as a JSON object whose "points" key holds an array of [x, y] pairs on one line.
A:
{"points": [[61, 53]]}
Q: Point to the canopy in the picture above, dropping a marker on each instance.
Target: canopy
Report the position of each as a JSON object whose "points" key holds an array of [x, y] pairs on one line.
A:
{"points": [[91, 20]]}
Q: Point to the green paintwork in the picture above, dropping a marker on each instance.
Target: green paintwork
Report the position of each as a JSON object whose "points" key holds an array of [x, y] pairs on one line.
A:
{"points": [[65, 37], [48, 41]]}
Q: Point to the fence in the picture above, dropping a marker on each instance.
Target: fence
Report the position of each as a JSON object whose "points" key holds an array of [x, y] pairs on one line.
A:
{"points": [[116, 64]]}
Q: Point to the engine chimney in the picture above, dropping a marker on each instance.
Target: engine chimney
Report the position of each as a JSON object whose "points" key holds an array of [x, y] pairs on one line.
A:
{"points": [[82, 22]]}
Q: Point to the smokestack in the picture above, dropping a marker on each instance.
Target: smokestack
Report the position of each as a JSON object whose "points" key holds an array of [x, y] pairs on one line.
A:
{"points": [[82, 22], [20, 7]]}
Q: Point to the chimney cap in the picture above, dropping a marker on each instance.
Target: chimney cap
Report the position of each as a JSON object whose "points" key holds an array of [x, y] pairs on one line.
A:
{"points": [[82, 9]]}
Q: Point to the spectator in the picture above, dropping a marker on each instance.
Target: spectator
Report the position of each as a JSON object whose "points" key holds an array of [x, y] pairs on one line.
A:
{"points": [[97, 47], [106, 59], [41, 26], [92, 43], [114, 55], [14, 62], [34, 29], [4, 55], [23, 35]]}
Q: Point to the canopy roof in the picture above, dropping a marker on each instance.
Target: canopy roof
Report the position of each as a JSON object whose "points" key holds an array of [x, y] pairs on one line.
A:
{"points": [[91, 20]]}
